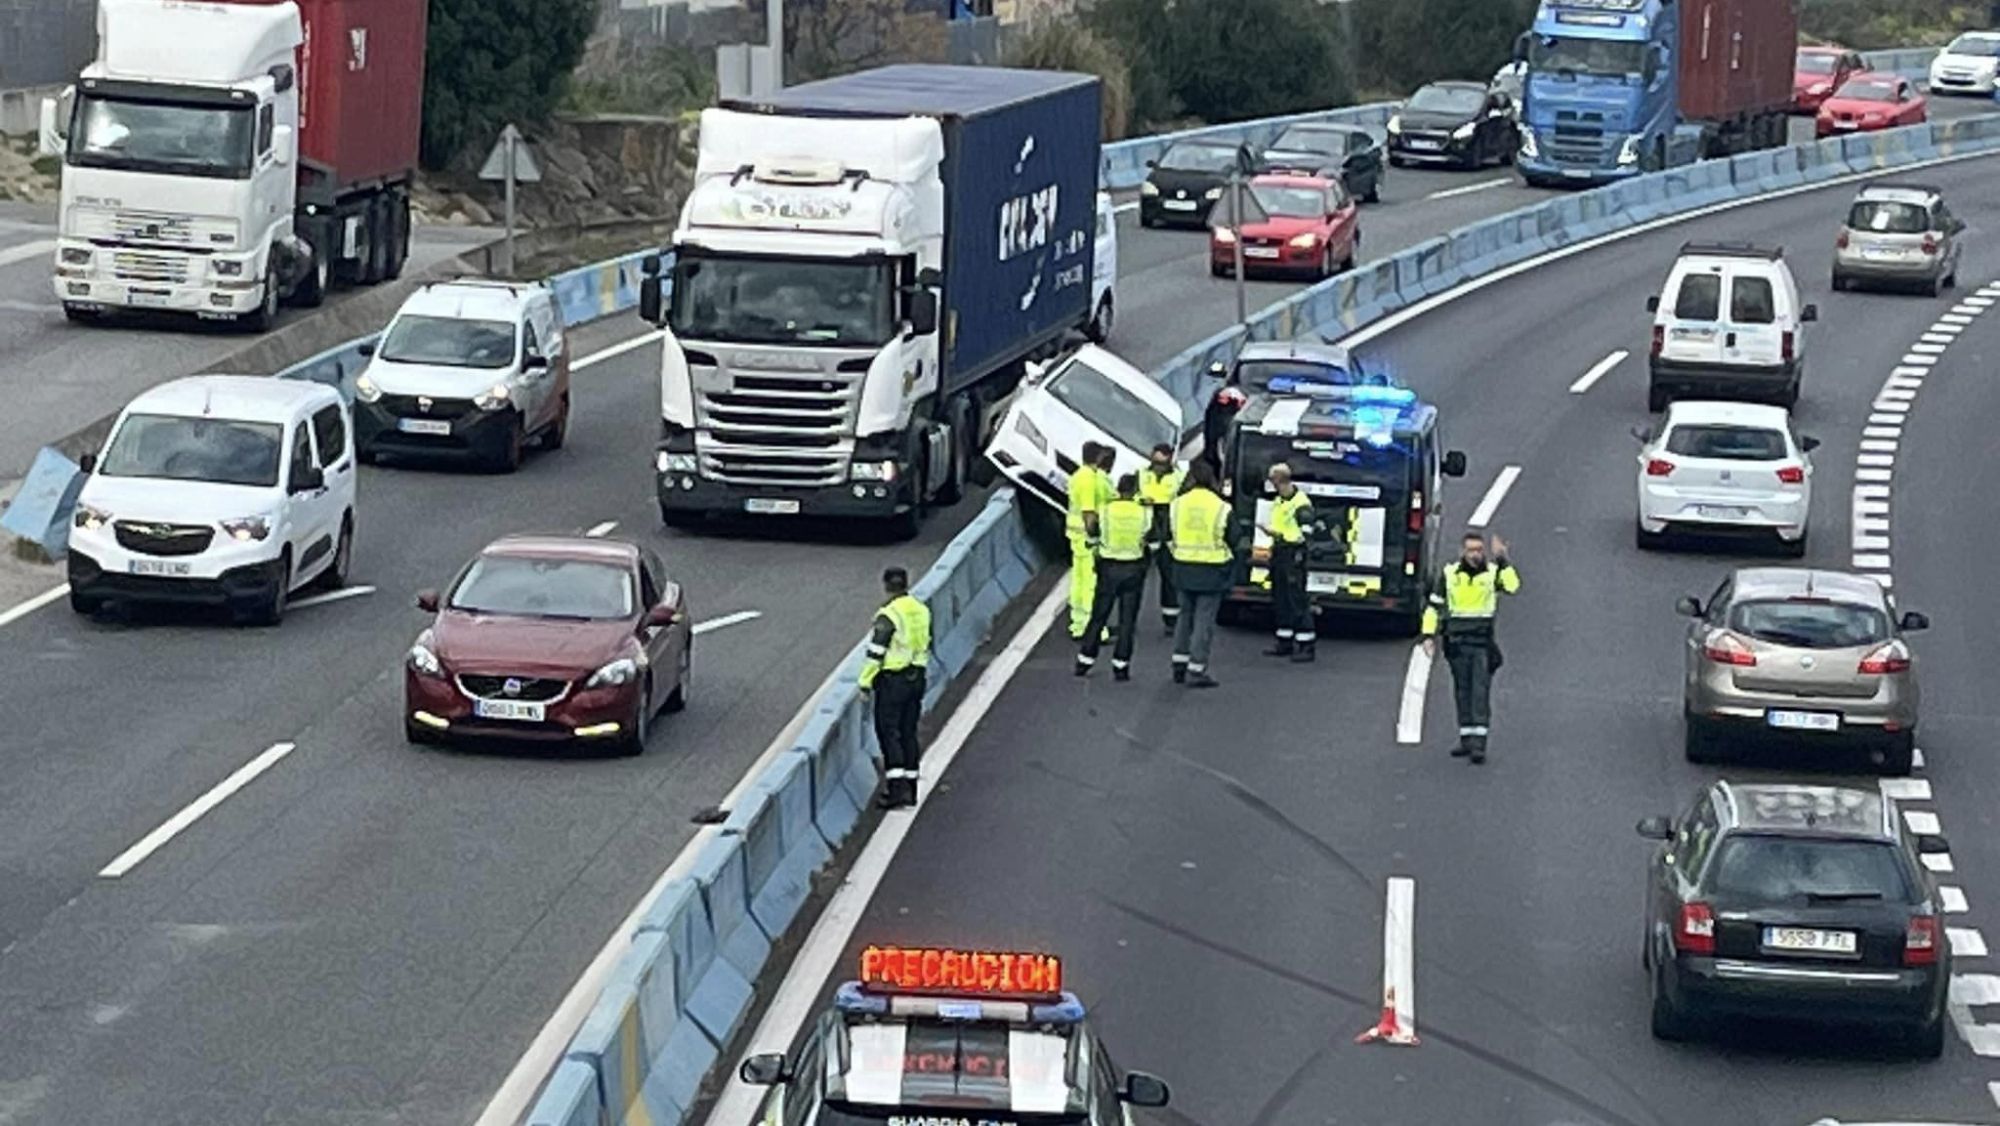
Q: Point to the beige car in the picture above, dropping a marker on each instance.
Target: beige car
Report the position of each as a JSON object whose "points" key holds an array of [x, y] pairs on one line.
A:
{"points": [[1898, 234], [1815, 656]]}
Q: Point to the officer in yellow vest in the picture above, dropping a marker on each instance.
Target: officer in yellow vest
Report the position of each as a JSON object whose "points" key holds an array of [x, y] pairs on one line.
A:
{"points": [[899, 649], [1467, 595], [1203, 563], [1125, 524], [1088, 493], [1292, 519], [1159, 483]]}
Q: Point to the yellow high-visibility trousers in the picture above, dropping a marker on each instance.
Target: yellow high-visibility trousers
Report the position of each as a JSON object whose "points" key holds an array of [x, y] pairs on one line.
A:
{"points": [[1082, 583]]}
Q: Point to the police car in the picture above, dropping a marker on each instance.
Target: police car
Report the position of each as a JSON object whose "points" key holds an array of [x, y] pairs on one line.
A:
{"points": [[1372, 461], [934, 1037]]}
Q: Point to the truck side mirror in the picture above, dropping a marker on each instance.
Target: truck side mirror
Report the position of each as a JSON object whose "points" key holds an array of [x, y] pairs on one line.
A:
{"points": [[649, 295], [281, 144], [366, 347], [929, 278], [1521, 47], [650, 265], [51, 133], [1810, 313], [923, 313]]}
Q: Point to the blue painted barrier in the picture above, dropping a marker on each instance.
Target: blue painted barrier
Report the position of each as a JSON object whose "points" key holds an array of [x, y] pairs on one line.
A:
{"points": [[570, 1099], [720, 999], [45, 503]]}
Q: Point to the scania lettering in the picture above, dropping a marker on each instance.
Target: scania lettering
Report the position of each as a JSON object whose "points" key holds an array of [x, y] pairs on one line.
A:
{"points": [[220, 157], [862, 269], [1615, 88]]}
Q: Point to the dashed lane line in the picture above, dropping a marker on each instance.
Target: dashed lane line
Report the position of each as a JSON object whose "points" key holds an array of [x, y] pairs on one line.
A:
{"points": [[1490, 503], [1604, 366], [194, 811]]}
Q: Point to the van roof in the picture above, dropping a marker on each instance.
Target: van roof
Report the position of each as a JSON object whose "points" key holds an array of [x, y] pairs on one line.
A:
{"points": [[1731, 249], [915, 90], [471, 299], [250, 398], [1336, 416]]}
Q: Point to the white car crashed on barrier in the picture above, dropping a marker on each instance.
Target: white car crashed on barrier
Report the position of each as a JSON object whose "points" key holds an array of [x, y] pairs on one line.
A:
{"points": [[1088, 396]]}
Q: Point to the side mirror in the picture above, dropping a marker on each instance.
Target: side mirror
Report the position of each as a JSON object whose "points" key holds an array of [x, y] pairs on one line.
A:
{"points": [[1808, 443], [1643, 433], [1521, 47], [1809, 313], [1655, 828], [1152, 164], [281, 144], [534, 363], [1688, 607], [650, 265], [366, 348], [766, 1069], [1932, 844], [1141, 1089], [649, 298], [87, 463], [923, 312], [49, 137], [1653, 304], [427, 601], [1454, 463], [929, 278], [661, 616], [1913, 621], [309, 480], [1218, 370]]}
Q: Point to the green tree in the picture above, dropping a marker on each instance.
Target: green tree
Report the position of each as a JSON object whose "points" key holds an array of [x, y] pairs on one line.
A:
{"points": [[1224, 60], [1870, 25], [1065, 44], [1410, 42], [489, 62]]}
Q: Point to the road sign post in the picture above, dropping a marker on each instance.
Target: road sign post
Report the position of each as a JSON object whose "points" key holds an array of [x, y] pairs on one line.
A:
{"points": [[1236, 209], [512, 161]]}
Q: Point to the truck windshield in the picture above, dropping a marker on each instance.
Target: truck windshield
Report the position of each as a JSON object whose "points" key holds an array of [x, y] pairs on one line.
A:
{"points": [[1120, 413], [1607, 57], [165, 137], [745, 300]]}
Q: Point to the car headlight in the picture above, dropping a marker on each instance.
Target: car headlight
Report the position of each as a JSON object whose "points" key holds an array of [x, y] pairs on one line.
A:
{"points": [[494, 397], [1027, 429], [90, 517], [676, 463], [1149, 188], [1396, 123], [1305, 241], [227, 267], [422, 659], [366, 391], [247, 529], [1464, 132], [1529, 148], [76, 256], [884, 471], [1224, 235], [1820, 88], [1212, 194], [619, 672], [1628, 153]]}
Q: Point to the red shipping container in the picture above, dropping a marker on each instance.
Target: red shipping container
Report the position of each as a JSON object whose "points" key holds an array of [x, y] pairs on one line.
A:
{"points": [[1736, 57], [361, 88]]}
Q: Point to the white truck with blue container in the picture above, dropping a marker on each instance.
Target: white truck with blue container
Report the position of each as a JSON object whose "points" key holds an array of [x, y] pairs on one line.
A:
{"points": [[862, 270]]}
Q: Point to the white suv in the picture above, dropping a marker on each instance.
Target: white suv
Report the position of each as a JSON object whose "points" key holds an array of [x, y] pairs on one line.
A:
{"points": [[222, 490], [1728, 325], [1725, 469], [469, 368]]}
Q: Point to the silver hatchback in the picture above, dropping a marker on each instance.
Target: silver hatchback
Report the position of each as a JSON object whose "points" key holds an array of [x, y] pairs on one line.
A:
{"points": [[1899, 234], [1818, 656]]}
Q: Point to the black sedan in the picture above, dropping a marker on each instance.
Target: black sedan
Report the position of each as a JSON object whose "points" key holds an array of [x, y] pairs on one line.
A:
{"points": [[1791, 902], [1348, 153], [1461, 123], [1188, 178]]}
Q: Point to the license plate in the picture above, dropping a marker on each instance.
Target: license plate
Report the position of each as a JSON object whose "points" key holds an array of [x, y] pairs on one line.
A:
{"points": [[143, 299], [1425, 146], [1806, 940], [1719, 512], [1178, 205], [433, 426], [169, 567], [519, 711], [1847, 125], [765, 507], [1803, 721], [1881, 252], [1260, 252], [1576, 173], [1321, 582]]}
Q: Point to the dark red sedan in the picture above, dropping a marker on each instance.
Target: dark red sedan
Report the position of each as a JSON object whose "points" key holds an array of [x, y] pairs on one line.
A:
{"points": [[551, 639], [1310, 226], [1870, 101]]}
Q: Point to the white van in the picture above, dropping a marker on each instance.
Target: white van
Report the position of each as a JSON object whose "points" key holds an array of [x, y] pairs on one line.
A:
{"points": [[224, 490], [1104, 272], [1728, 325]]}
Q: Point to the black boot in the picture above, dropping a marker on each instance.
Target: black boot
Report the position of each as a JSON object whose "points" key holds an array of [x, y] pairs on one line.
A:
{"points": [[1082, 667], [1121, 674], [1283, 648], [1180, 674], [1203, 680], [1478, 749], [1464, 747], [1304, 654]]}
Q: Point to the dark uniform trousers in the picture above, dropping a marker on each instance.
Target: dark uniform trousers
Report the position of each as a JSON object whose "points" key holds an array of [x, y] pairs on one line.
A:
{"points": [[899, 708], [1473, 654], [1291, 606], [1121, 586], [1163, 561]]}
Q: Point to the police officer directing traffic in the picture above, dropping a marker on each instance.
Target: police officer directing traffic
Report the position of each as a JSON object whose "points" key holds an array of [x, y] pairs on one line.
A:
{"points": [[899, 649], [1125, 525], [1202, 565], [1465, 600], [1159, 482], [1292, 518]]}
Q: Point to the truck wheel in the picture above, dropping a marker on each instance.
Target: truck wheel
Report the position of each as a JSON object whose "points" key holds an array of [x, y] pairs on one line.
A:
{"points": [[1099, 328], [399, 236], [375, 266], [265, 314], [963, 440], [1658, 399], [311, 293]]}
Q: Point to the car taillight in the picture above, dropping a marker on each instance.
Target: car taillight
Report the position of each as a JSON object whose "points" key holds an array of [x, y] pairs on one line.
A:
{"points": [[1792, 475], [1785, 347], [1840, 242], [1696, 933], [1725, 648], [1892, 657], [1659, 467], [1416, 520], [1930, 244], [1920, 942], [1659, 338]]}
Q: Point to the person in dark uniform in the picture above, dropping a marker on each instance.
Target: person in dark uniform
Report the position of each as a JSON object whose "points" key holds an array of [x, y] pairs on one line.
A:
{"points": [[1292, 524], [899, 649], [1124, 527], [1159, 483]]}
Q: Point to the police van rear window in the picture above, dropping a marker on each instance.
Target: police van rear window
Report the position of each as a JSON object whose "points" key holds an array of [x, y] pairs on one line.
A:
{"points": [[1350, 471], [990, 1068], [845, 1114]]}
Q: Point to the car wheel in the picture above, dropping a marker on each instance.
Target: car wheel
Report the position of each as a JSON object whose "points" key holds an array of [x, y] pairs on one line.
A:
{"points": [[1647, 541], [1698, 739], [311, 293], [558, 431], [335, 575], [1899, 754], [1794, 549], [905, 526], [1147, 221], [1218, 270], [1926, 1041], [88, 605], [1326, 267], [1840, 282], [508, 458], [270, 609], [1658, 398], [1933, 286], [683, 678], [634, 743], [1669, 1023]]}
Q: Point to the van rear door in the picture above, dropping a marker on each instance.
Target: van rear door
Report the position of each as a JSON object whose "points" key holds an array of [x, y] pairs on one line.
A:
{"points": [[1752, 333], [1690, 317]]}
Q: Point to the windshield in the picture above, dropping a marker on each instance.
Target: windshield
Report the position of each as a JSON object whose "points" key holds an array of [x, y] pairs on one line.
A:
{"points": [[1728, 443], [1867, 90], [1458, 100], [1802, 624], [219, 450], [1888, 218], [450, 342], [743, 300], [1188, 157], [1769, 869], [545, 588], [1256, 375], [1301, 139], [1980, 46], [1815, 63], [1130, 420], [1608, 57], [1291, 202], [187, 140], [1360, 473], [915, 1114]]}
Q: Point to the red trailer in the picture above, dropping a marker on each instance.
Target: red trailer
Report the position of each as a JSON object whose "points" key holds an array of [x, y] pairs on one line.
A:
{"points": [[1736, 59]]}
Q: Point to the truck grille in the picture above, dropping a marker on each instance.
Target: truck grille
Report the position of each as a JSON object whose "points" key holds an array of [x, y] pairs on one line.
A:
{"points": [[159, 228], [163, 539], [1578, 138], [531, 689], [139, 266], [768, 429]]}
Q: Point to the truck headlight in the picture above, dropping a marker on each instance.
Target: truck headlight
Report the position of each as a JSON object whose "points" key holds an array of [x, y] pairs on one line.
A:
{"points": [[1628, 153], [365, 390], [1149, 188], [1212, 194], [884, 471], [1463, 132], [676, 463], [1529, 148], [76, 256], [247, 529], [90, 518], [494, 397], [1032, 433], [622, 671], [228, 267]]}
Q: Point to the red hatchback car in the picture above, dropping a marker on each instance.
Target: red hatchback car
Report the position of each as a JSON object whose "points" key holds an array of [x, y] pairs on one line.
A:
{"points": [[1870, 101], [1310, 226], [1820, 71], [551, 638]]}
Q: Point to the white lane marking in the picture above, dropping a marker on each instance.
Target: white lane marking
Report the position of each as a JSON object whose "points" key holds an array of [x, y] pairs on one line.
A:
{"points": [[1899, 394], [1881, 432], [1993, 1091], [1922, 822], [1873, 492], [341, 595], [1916, 758], [1954, 899], [1907, 382], [1875, 459], [1886, 419], [1585, 381], [1958, 319], [1871, 563], [797, 998], [1939, 862], [1880, 445], [1923, 349], [1873, 474], [152, 842], [1865, 541], [1920, 360], [1940, 334], [1905, 789], [1966, 942], [1122, 208], [1482, 186], [1910, 372], [26, 251], [727, 620], [1416, 686], [1483, 515], [616, 350], [16, 613], [1980, 303], [1973, 990], [1399, 966], [597, 531]]}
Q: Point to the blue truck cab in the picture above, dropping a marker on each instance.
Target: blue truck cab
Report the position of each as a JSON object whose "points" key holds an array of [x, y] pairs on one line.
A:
{"points": [[1601, 98]]}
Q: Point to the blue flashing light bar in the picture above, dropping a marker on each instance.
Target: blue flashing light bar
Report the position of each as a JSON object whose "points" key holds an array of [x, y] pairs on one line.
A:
{"points": [[851, 997], [1383, 396]]}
